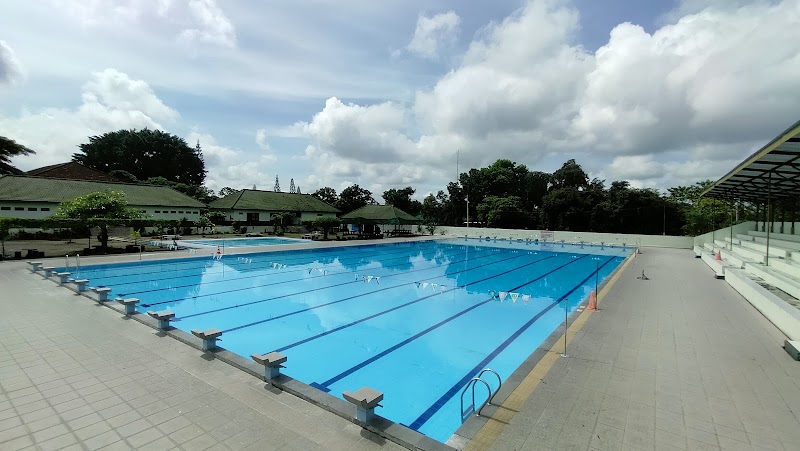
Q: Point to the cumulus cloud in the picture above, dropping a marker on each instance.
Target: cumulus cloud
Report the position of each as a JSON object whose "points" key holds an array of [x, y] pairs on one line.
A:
{"points": [[191, 21], [433, 33], [261, 139], [10, 68], [717, 78], [111, 100]]}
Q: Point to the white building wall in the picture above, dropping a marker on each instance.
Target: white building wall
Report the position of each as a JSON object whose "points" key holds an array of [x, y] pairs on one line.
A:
{"points": [[41, 210], [312, 216]]}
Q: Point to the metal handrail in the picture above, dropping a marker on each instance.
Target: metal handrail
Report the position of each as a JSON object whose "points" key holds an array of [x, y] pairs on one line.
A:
{"points": [[499, 383], [472, 383]]}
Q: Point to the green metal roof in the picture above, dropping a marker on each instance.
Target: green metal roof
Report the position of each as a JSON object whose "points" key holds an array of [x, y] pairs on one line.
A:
{"points": [[773, 171], [249, 199], [41, 189], [380, 214]]}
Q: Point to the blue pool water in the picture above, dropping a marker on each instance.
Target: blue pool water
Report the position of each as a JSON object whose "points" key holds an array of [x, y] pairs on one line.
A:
{"points": [[415, 320], [245, 242]]}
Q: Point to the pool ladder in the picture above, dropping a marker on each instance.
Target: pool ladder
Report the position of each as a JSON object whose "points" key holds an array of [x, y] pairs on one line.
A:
{"points": [[471, 384]]}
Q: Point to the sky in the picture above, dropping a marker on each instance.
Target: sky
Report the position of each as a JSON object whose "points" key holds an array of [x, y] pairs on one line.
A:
{"points": [[403, 92]]}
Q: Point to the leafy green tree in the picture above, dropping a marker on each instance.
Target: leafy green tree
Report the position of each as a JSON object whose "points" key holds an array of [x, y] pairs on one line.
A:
{"points": [[124, 176], [327, 195], [431, 209], [204, 222], [325, 223], [354, 197], [280, 221], [201, 193], [98, 208], [570, 175], [144, 153], [505, 212], [401, 198], [8, 149], [227, 191]]}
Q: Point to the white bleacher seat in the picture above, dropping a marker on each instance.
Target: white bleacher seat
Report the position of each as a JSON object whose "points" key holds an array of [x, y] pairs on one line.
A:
{"points": [[745, 237], [774, 251], [789, 245], [776, 236], [775, 278]]}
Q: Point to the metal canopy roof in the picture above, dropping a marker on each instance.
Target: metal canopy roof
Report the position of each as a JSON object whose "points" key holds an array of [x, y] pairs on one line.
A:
{"points": [[774, 170]]}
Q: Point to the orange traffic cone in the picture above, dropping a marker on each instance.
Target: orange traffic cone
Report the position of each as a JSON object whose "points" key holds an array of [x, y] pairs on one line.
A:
{"points": [[719, 256], [592, 301]]}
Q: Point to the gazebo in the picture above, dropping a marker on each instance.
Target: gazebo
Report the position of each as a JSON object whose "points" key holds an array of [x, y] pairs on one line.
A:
{"points": [[370, 218]]}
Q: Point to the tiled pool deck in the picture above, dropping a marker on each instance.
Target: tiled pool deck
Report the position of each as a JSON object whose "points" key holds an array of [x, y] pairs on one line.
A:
{"points": [[678, 361]]}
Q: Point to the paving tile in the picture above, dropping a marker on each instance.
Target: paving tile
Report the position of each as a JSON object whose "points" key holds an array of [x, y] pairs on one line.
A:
{"points": [[185, 434], [13, 433], [20, 442], [141, 439], [47, 434], [102, 440], [59, 442], [134, 427], [200, 443], [172, 425], [44, 423], [92, 430], [10, 423]]}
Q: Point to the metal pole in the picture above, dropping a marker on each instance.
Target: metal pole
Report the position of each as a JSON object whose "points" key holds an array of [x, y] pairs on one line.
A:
{"points": [[664, 229], [467, 211], [731, 231], [769, 214], [566, 314]]}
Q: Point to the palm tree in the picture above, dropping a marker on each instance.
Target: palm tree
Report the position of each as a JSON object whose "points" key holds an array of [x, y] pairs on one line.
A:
{"points": [[10, 148]]}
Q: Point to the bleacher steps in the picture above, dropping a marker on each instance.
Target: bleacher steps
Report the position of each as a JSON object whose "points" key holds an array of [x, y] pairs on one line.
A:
{"points": [[789, 245], [745, 237], [775, 278], [698, 251], [718, 267], [735, 241], [787, 267], [776, 236], [774, 250], [750, 254], [782, 314]]}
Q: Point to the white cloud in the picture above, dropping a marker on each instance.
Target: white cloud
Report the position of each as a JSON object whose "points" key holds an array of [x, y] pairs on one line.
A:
{"points": [[261, 139], [191, 21], [11, 70], [232, 167], [111, 101], [433, 33], [704, 87]]}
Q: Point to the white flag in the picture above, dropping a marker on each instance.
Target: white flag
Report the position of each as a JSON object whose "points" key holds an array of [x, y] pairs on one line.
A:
{"points": [[356, 276], [526, 298], [503, 295], [378, 280], [369, 279], [514, 297], [418, 284], [433, 285], [424, 285], [441, 288]]}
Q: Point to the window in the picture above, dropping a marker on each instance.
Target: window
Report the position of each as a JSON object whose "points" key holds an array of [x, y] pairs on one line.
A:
{"points": [[143, 211], [5, 208], [180, 211], [241, 213], [319, 214], [44, 209], [157, 211], [32, 209], [19, 209], [173, 211]]}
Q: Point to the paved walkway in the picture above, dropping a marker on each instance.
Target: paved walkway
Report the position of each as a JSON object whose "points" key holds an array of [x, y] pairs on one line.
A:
{"points": [[680, 361], [76, 375]]}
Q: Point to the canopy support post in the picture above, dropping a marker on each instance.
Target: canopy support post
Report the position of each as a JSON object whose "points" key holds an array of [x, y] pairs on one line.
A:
{"points": [[769, 214]]}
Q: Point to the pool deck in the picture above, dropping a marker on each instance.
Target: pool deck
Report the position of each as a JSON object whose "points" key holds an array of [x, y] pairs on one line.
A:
{"points": [[680, 361]]}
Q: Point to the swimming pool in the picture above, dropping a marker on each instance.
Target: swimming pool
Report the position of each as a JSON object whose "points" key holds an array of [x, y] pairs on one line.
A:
{"points": [[245, 242], [415, 320]]}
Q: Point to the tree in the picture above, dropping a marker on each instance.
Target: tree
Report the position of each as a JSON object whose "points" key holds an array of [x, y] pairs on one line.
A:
{"points": [[431, 209], [292, 189], [505, 212], [326, 223], [144, 153], [205, 222], [281, 220], [298, 189], [226, 191], [124, 176], [401, 198], [10, 148], [98, 208], [201, 193], [327, 195], [277, 185], [570, 175], [354, 197]]}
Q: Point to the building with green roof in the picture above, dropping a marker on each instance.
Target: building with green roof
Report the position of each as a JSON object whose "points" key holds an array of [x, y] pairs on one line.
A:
{"points": [[255, 206], [39, 197], [368, 217]]}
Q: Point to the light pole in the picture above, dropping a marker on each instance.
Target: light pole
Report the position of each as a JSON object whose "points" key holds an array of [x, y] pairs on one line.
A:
{"points": [[467, 211], [664, 224]]}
